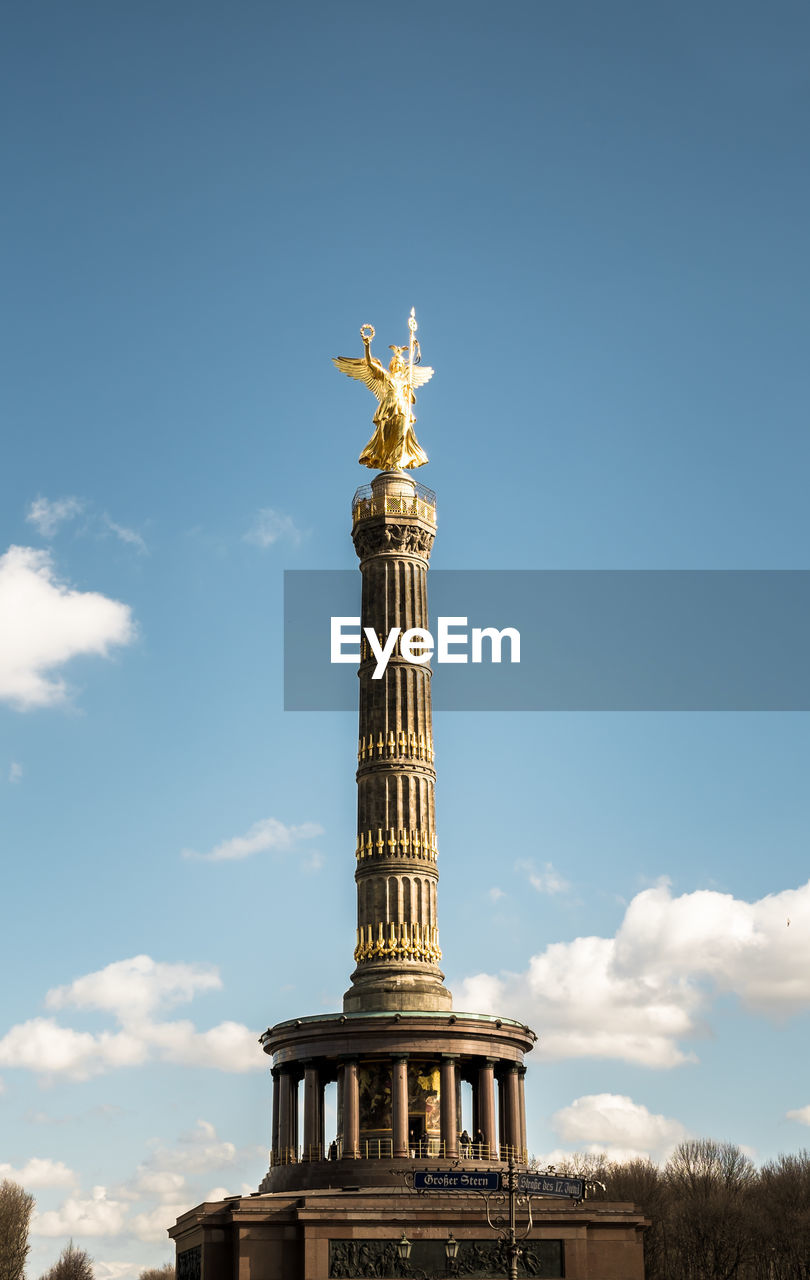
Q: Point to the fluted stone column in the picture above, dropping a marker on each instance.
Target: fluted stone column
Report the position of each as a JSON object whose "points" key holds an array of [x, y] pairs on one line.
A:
{"points": [[486, 1104], [511, 1116], [447, 1107], [274, 1138], [295, 1134], [286, 1119], [313, 1135], [397, 945], [399, 1106], [522, 1095], [351, 1111]]}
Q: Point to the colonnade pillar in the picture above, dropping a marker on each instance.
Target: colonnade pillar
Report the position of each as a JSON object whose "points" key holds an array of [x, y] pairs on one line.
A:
{"points": [[287, 1108], [351, 1111], [274, 1129], [399, 1106], [313, 1113], [522, 1096], [447, 1107], [485, 1108], [511, 1107]]}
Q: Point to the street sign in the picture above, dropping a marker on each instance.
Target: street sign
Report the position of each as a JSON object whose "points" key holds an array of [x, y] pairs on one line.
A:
{"points": [[455, 1180], [548, 1184]]}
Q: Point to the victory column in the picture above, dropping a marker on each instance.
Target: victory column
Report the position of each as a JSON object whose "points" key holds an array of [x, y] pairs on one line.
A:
{"points": [[399, 1054]]}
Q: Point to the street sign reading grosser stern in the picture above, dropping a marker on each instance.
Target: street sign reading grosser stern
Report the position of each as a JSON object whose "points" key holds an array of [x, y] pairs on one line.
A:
{"points": [[455, 1180], [546, 1184]]}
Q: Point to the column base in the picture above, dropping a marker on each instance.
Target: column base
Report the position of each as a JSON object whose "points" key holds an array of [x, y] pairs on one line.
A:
{"points": [[375, 988]]}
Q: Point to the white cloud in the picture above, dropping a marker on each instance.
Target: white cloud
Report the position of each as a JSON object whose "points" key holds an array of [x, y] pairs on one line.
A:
{"points": [[546, 880], [132, 990], [46, 623], [495, 894], [129, 536], [640, 995], [230, 1046], [47, 516], [42, 1045], [613, 1125], [217, 1193], [153, 1225], [222, 1193], [115, 1270], [272, 526], [149, 1202], [15, 772], [39, 1172], [802, 1115], [264, 835], [164, 1175], [159, 1182], [95, 1217], [197, 1151]]}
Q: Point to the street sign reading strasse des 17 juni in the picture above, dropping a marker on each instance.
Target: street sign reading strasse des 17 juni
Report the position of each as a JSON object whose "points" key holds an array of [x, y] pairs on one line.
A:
{"points": [[548, 1184]]}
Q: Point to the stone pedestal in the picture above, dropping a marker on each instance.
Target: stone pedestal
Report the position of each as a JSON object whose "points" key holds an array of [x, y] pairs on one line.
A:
{"points": [[326, 1234]]}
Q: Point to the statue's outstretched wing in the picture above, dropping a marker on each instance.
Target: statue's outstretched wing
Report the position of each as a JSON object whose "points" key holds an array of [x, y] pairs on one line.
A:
{"points": [[422, 374], [374, 377]]}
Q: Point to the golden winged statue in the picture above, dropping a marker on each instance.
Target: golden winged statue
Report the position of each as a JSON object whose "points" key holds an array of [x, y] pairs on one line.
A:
{"points": [[394, 444]]}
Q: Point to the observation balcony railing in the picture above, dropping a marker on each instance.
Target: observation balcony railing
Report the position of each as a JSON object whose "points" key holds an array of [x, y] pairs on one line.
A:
{"points": [[421, 502], [383, 1149]]}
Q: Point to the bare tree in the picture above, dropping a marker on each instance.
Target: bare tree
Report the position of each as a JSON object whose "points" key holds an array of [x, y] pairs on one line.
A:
{"points": [[712, 1224], [16, 1207], [73, 1263], [166, 1272], [784, 1218], [580, 1164], [712, 1215]]}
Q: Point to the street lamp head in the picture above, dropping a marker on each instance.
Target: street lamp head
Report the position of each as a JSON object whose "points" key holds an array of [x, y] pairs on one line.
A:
{"points": [[451, 1248], [403, 1248]]}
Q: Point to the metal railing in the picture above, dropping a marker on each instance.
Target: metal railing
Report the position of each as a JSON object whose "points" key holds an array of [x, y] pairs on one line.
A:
{"points": [[383, 1149], [421, 503]]}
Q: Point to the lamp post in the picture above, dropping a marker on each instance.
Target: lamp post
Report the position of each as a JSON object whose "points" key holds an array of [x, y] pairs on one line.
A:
{"points": [[507, 1228]]}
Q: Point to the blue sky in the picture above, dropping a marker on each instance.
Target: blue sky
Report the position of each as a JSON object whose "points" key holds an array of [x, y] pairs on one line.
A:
{"points": [[600, 213]]}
